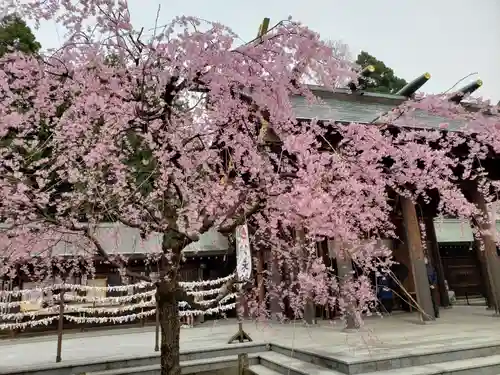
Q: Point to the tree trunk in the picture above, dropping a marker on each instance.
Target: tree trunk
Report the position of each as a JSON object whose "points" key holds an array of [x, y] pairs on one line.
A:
{"points": [[170, 328]]}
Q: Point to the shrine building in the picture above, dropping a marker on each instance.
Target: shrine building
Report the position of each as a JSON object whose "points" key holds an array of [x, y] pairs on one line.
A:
{"points": [[460, 265]]}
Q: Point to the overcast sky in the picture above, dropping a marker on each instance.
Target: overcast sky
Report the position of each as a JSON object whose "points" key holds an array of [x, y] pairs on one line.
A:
{"points": [[447, 38]]}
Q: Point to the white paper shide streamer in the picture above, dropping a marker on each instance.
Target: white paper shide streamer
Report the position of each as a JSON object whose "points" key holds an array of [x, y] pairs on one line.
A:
{"points": [[120, 288], [116, 310]]}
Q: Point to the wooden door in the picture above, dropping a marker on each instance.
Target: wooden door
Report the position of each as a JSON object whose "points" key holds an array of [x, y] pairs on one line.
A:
{"points": [[462, 270], [188, 272]]}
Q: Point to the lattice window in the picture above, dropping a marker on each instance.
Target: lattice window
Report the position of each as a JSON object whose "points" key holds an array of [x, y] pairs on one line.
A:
{"points": [[190, 274]]}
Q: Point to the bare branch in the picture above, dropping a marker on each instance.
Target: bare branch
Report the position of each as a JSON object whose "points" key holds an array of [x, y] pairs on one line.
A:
{"points": [[234, 208], [241, 219]]}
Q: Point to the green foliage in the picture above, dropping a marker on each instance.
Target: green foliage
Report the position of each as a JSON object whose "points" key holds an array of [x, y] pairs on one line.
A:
{"points": [[16, 35], [383, 80], [112, 60], [142, 162]]}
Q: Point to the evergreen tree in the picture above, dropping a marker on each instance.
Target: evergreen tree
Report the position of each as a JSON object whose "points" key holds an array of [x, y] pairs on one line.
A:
{"points": [[15, 34], [383, 80]]}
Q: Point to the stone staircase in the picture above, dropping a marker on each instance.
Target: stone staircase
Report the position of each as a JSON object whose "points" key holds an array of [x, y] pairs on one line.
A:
{"points": [[221, 361], [474, 359], [210, 361], [480, 356]]}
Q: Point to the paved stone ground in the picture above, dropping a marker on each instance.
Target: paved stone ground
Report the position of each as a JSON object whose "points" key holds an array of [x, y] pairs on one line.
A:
{"points": [[401, 333]]}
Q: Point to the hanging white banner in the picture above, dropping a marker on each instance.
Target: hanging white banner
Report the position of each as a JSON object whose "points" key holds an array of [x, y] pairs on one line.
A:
{"points": [[243, 254]]}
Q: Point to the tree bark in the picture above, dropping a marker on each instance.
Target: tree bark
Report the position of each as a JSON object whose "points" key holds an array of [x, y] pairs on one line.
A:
{"points": [[170, 328], [168, 295]]}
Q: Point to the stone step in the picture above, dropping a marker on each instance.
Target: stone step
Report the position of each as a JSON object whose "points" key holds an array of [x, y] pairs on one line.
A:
{"points": [[187, 367], [117, 363], [263, 370], [476, 366], [224, 351], [140, 370], [471, 302], [272, 363], [383, 359], [285, 365]]}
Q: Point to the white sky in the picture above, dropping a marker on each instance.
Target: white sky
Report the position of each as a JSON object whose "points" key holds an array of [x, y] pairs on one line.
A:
{"points": [[448, 38]]}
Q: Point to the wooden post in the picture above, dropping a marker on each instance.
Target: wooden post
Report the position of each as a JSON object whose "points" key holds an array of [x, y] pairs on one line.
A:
{"points": [[416, 253], [242, 277], [344, 274], [490, 250], [12, 332], [274, 300], [157, 328], [60, 326], [200, 318], [485, 276], [260, 277], [242, 363], [309, 308], [437, 262], [241, 335]]}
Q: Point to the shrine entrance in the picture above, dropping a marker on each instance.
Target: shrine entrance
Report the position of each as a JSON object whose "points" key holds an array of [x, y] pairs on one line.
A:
{"points": [[462, 269]]}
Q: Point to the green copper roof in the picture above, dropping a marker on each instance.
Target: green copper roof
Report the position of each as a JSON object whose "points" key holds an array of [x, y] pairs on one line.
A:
{"points": [[454, 230], [341, 105]]}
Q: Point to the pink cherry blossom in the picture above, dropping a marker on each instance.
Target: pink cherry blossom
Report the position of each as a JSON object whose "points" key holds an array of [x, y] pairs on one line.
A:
{"points": [[162, 133]]}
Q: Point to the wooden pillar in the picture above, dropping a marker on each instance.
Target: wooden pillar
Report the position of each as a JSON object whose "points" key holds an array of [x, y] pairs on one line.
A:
{"points": [[481, 257], [309, 307], [157, 326], [416, 253], [310, 312], [344, 274], [260, 277], [490, 251], [276, 280], [243, 364], [433, 247], [60, 326], [200, 318]]}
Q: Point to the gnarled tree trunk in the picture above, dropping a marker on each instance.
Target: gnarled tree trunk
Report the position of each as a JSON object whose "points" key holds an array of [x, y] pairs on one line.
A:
{"points": [[170, 328]]}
